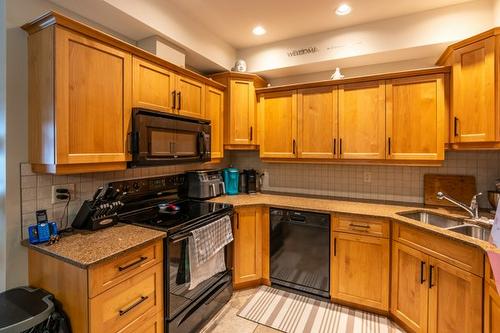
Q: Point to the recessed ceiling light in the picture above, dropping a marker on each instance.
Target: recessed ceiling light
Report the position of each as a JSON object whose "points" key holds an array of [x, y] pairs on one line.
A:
{"points": [[343, 9], [259, 30]]}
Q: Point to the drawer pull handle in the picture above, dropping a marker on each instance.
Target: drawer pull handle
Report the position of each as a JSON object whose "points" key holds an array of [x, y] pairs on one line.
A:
{"points": [[364, 226], [133, 263], [133, 305]]}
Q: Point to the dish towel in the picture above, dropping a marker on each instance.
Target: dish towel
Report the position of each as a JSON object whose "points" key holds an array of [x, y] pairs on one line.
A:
{"points": [[206, 250], [494, 255]]}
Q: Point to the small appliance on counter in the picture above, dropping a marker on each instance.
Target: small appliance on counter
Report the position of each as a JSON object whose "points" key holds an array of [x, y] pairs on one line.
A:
{"points": [[204, 184], [43, 230], [252, 179], [231, 179]]}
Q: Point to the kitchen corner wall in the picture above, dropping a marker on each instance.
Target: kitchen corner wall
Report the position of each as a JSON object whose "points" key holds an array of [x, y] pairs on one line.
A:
{"points": [[36, 189], [376, 182]]}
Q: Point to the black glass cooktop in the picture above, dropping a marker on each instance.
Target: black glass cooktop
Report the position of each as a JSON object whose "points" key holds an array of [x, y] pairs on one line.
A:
{"points": [[166, 215]]}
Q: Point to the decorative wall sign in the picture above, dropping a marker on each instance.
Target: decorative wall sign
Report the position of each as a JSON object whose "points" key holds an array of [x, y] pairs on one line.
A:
{"points": [[304, 51]]}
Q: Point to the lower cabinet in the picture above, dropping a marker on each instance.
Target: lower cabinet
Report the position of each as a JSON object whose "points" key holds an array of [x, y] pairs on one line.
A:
{"points": [[247, 228], [360, 270], [491, 302], [430, 295]]}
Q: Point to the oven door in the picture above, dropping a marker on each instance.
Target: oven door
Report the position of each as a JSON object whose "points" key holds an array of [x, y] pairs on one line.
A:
{"points": [[159, 138]]}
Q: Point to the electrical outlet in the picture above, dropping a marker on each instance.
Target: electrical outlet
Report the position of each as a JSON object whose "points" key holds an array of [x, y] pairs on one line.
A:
{"points": [[367, 177], [69, 187]]}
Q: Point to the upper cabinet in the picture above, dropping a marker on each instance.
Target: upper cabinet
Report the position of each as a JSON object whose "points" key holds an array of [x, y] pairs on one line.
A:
{"points": [[415, 112], [475, 114], [82, 87], [240, 105], [214, 111]]}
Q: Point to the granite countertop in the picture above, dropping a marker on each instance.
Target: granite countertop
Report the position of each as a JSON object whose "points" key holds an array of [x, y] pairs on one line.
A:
{"points": [[364, 207], [86, 248]]}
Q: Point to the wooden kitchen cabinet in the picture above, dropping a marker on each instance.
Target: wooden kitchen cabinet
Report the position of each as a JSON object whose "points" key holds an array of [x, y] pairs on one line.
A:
{"points": [[152, 86], [247, 228], [123, 294], [190, 97], [317, 123], [360, 270], [240, 105], [278, 124], [214, 111], [491, 302], [362, 120], [415, 116]]}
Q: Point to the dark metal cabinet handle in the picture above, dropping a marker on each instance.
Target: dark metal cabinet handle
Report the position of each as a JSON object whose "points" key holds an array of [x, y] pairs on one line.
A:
{"points": [[179, 100], [237, 220], [335, 247], [422, 269], [389, 145], [251, 133], [173, 100], [431, 268], [340, 146], [355, 225], [133, 305], [134, 263], [455, 126], [293, 146], [334, 147]]}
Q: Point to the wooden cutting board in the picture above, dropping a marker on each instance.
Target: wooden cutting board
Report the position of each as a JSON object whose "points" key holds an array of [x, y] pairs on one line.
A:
{"points": [[461, 188]]}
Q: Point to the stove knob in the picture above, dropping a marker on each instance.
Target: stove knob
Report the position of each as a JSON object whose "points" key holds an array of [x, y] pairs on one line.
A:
{"points": [[125, 188], [136, 186]]}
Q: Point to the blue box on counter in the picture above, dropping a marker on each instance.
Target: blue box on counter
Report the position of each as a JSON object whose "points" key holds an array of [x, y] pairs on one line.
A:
{"points": [[41, 232]]}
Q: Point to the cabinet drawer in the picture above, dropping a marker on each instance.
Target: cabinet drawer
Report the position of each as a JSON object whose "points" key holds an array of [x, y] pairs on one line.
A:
{"points": [[360, 224], [109, 274], [146, 323], [121, 305], [466, 257]]}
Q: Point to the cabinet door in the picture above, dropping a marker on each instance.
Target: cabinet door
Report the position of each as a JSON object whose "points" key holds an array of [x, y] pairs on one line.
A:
{"points": [[152, 86], [278, 124], [242, 112], [214, 112], [409, 291], [317, 123], [190, 97], [473, 101], [491, 309], [455, 299], [247, 245], [362, 120], [93, 99], [415, 118], [360, 270]]}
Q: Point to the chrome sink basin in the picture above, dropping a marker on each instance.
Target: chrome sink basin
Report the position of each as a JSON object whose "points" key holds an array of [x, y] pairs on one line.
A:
{"points": [[472, 231], [433, 219]]}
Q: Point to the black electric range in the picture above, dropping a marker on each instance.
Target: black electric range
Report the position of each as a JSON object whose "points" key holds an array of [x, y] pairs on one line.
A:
{"points": [[155, 203]]}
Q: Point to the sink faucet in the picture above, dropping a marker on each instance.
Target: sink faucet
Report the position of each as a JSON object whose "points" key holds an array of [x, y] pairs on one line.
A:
{"points": [[473, 210]]}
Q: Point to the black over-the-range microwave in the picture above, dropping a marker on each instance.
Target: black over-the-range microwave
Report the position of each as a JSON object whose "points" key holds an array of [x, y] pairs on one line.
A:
{"points": [[159, 138]]}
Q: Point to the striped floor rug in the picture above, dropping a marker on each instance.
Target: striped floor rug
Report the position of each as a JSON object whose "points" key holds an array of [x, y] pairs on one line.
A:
{"points": [[292, 313]]}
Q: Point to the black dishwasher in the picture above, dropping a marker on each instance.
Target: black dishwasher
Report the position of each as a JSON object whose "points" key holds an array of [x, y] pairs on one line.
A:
{"points": [[300, 251]]}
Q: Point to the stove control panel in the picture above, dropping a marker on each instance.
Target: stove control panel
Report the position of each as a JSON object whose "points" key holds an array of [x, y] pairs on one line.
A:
{"points": [[149, 185]]}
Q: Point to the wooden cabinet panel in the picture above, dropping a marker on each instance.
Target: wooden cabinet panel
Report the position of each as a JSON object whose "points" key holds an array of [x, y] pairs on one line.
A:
{"points": [[278, 124], [409, 292], [473, 92], [146, 324], [242, 112], [92, 100], [360, 270], [317, 123], [119, 306], [152, 86], [359, 224], [415, 118], [455, 299], [362, 120], [247, 245], [491, 309], [190, 97], [214, 112]]}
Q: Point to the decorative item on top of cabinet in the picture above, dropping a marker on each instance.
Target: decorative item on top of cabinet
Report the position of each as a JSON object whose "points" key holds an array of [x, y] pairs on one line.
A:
{"points": [[214, 111], [278, 124], [415, 113], [240, 132], [475, 103]]}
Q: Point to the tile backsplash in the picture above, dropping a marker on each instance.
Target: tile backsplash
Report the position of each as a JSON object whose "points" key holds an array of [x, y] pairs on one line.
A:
{"points": [[378, 182]]}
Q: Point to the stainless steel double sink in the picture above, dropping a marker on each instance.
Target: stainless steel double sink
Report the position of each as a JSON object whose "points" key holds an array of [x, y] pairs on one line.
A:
{"points": [[449, 223]]}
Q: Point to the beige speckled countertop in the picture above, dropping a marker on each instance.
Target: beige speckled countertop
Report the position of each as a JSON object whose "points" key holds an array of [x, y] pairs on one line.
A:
{"points": [[85, 248], [387, 210]]}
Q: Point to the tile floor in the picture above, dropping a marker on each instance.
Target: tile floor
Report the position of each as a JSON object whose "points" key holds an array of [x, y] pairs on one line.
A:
{"points": [[227, 321]]}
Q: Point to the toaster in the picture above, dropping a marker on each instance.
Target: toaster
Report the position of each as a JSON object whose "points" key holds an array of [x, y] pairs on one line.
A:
{"points": [[204, 184]]}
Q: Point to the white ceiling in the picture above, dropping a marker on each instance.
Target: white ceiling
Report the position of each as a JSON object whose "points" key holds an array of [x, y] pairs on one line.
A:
{"points": [[233, 20]]}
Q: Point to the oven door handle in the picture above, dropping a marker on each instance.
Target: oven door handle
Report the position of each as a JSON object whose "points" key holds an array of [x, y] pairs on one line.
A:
{"points": [[184, 235]]}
